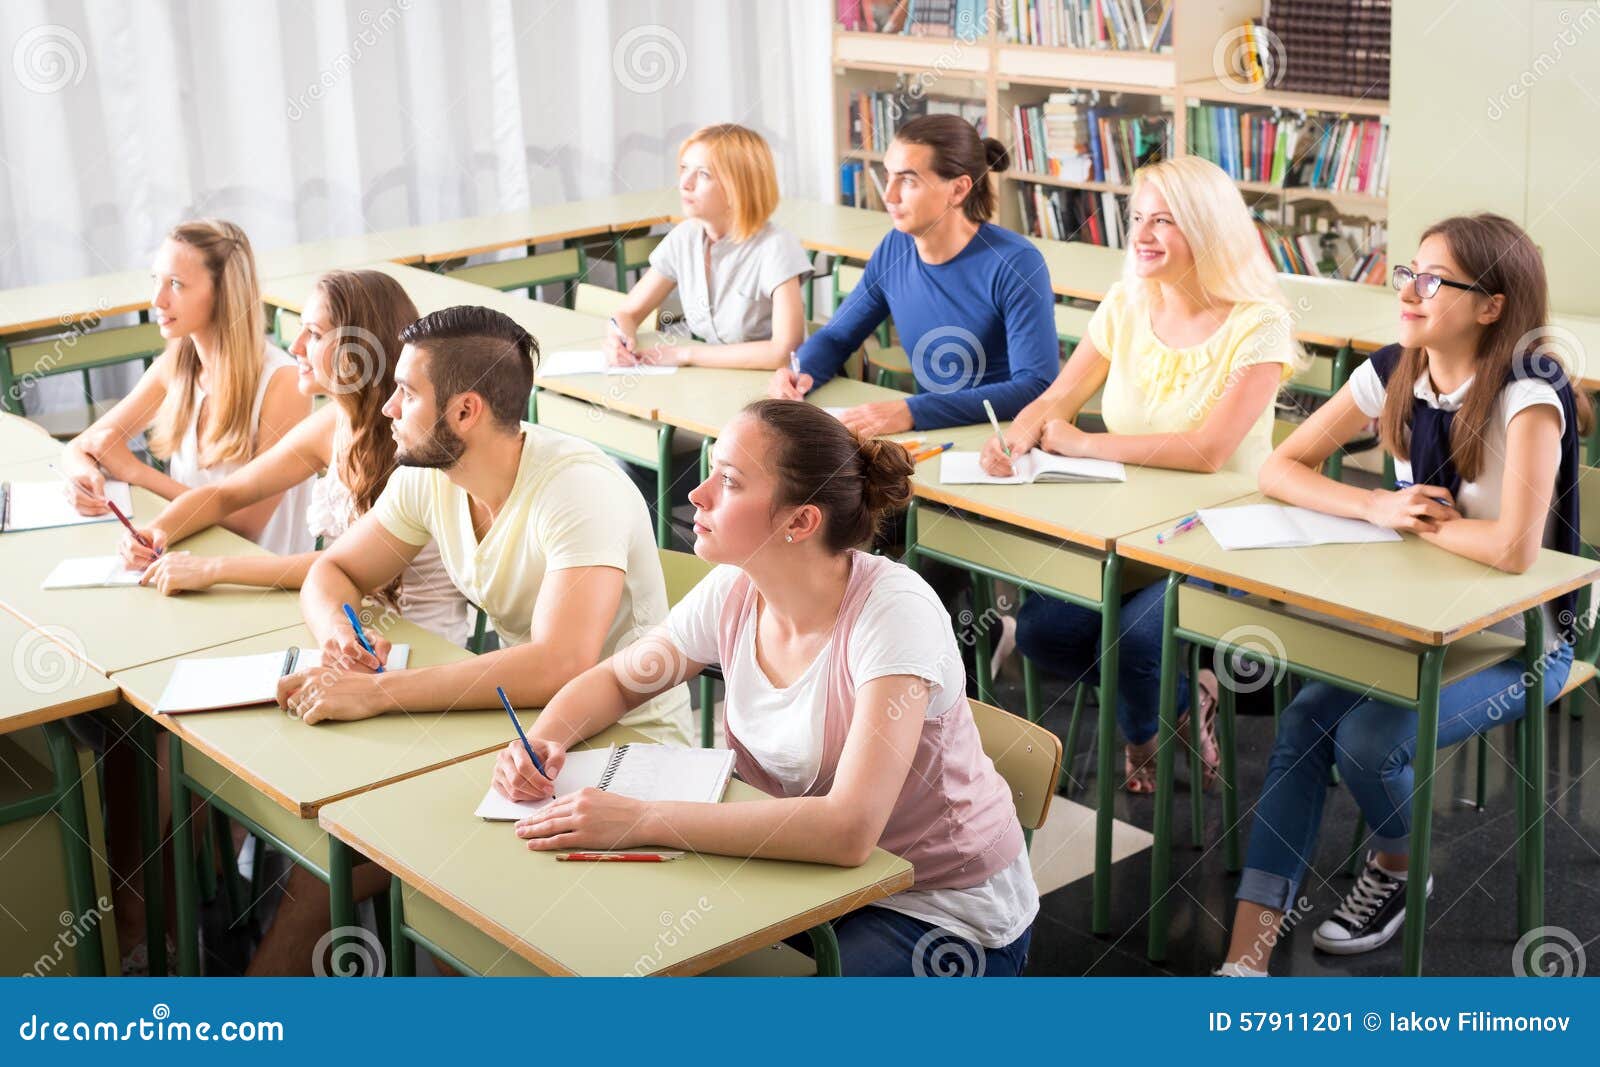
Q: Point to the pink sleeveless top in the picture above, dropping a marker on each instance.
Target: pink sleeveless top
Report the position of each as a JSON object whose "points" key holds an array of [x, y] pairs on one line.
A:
{"points": [[954, 819]]}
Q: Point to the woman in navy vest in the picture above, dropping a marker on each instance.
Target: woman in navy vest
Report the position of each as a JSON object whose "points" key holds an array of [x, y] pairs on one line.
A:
{"points": [[1483, 426]]}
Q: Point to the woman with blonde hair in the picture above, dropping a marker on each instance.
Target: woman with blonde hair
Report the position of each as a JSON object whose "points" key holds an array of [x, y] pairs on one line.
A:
{"points": [[738, 276], [347, 348], [218, 396], [1190, 348]]}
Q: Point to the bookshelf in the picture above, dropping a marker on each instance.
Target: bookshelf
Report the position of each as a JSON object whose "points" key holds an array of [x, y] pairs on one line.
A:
{"points": [[997, 76]]}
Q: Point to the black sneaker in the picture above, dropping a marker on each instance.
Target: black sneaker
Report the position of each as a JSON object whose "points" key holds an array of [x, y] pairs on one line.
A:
{"points": [[1371, 915]]}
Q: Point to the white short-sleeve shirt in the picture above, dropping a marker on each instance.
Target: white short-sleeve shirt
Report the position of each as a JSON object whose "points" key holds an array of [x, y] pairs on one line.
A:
{"points": [[902, 629], [735, 304]]}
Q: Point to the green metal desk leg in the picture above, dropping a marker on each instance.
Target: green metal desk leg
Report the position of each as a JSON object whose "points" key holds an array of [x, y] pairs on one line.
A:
{"points": [[1230, 781], [402, 953], [341, 898], [1070, 751], [1166, 758], [1106, 787], [91, 962], [155, 899], [982, 648], [1427, 762], [706, 444], [1197, 795], [708, 712], [186, 905], [1530, 894], [664, 487], [825, 949]]}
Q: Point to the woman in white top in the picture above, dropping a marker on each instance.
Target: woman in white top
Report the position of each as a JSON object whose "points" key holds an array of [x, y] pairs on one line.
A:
{"points": [[218, 396], [738, 276], [346, 350]]}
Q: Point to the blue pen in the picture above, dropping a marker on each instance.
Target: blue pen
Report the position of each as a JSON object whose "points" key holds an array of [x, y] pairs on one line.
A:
{"points": [[1441, 501], [361, 635], [506, 703]]}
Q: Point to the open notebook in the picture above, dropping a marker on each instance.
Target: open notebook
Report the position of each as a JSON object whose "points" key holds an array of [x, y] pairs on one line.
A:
{"points": [[644, 772], [962, 468], [1277, 526], [242, 681], [91, 572], [560, 364], [44, 505]]}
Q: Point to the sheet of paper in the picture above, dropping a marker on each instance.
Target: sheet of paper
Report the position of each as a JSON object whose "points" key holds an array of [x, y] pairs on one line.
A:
{"points": [[962, 468], [90, 572], [582, 770], [578, 361], [1042, 465], [673, 772], [44, 505], [1323, 529], [225, 682], [1275, 526]]}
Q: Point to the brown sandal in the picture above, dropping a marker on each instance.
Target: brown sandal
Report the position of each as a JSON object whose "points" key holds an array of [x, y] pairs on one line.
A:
{"points": [[1210, 757], [1139, 768]]}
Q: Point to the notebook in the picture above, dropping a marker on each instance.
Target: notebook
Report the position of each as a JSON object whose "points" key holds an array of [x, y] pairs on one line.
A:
{"points": [[962, 468], [91, 572], [45, 505], [1276, 526], [242, 681], [560, 364], [644, 772]]}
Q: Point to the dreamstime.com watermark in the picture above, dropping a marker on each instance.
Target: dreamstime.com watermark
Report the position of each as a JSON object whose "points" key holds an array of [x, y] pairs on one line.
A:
{"points": [[159, 1027], [1573, 27], [673, 929], [74, 928], [374, 28]]}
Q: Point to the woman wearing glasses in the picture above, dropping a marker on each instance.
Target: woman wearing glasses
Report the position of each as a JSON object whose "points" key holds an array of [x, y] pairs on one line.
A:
{"points": [[1483, 426]]}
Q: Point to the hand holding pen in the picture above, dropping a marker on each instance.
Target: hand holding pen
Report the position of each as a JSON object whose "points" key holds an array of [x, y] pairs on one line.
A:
{"points": [[520, 772]]}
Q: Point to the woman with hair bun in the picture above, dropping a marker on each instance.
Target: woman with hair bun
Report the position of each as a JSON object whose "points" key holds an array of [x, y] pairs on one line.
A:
{"points": [[846, 704], [971, 300]]}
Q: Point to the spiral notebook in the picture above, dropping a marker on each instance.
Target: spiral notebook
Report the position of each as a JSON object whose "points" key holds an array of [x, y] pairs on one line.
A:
{"points": [[644, 772], [45, 505], [1036, 467]]}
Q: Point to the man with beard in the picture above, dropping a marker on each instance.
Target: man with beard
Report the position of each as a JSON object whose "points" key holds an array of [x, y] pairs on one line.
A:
{"points": [[539, 529]]}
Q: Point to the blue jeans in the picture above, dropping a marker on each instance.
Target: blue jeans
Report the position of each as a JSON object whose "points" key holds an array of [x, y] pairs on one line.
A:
{"points": [[1064, 639], [1372, 743], [879, 943]]}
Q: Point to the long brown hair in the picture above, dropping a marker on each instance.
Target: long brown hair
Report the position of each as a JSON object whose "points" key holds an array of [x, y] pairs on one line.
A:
{"points": [[240, 327], [958, 150], [367, 310], [1497, 255], [854, 483]]}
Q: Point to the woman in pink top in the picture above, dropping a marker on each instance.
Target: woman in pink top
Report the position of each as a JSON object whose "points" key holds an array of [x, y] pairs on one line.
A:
{"points": [[846, 703]]}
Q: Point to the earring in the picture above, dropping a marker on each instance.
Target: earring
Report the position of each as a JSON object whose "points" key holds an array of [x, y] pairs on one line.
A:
{"points": [[789, 538]]}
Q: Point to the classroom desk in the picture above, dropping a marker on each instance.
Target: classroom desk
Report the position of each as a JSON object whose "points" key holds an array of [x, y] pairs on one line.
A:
{"points": [[41, 684], [550, 324], [529, 913], [22, 441], [1401, 620], [1331, 312], [832, 228], [59, 305], [115, 629], [635, 417], [273, 773], [459, 238], [1080, 270], [1061, 541]]}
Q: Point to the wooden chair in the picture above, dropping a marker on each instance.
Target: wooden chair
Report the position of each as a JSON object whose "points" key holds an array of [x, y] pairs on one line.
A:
{"points": [[597, 300], [569, 265]]}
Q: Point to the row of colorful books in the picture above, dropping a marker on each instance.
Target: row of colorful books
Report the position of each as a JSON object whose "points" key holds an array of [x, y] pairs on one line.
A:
{"points": [[967, 19], [1121, 25], [1293, 150], [1064, 139]]}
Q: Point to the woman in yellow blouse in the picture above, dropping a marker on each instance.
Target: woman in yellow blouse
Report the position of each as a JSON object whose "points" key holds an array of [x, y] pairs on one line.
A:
{"points": [[1190, 347]]}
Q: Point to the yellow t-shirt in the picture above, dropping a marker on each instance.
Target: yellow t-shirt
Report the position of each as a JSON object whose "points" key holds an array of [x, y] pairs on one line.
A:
{"points": [[570, 506], [1155, 388]]}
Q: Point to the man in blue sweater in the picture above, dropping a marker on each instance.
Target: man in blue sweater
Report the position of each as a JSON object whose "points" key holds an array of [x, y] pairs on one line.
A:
{"points": [[971, 300]]}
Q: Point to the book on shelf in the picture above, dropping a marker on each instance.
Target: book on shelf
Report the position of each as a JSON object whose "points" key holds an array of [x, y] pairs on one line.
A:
{"points": [[1066, 139], [876, 114], [1117, 25], [1338, 47], [1323, 245], [966, 19], [1293, 150], [1073, 214]]}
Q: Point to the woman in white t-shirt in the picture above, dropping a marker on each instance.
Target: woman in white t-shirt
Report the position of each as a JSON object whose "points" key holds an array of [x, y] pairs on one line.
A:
{"points": [[737, 274], [218, 396], [346, 350], [1484, 427], [846, 704]]}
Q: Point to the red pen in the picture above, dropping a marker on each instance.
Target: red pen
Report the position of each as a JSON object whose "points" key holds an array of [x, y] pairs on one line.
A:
{"points": [[137, 536], [618, 857]]}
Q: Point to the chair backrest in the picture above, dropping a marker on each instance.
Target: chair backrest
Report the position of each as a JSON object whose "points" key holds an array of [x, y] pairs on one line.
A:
{"points": [[683, 571], [601, 302], [846, 276], [1589, 504], [1027, 756]]}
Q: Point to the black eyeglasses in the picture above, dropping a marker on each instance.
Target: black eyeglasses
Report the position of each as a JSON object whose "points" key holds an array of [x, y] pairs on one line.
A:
{"points": [[1428, 284]]}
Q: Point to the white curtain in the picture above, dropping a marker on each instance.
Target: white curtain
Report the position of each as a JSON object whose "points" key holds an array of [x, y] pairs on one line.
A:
{"points": [[305, 119]]}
